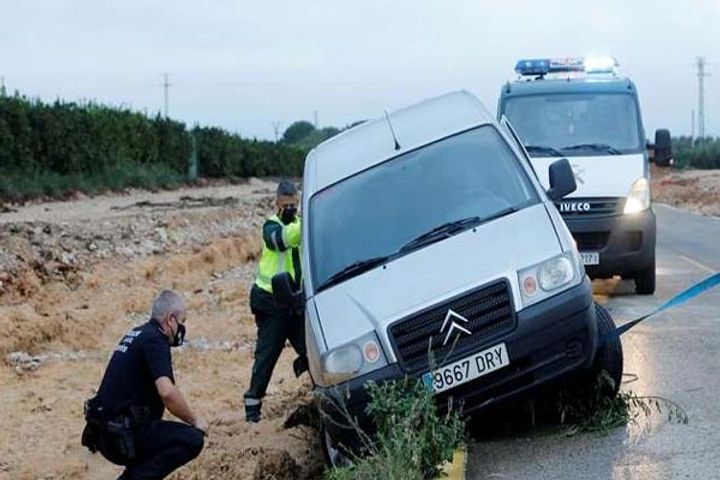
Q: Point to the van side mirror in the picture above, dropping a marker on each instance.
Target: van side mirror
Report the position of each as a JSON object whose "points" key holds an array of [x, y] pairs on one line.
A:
{"points": [[286, 293], [562, 180], [662, 148]]}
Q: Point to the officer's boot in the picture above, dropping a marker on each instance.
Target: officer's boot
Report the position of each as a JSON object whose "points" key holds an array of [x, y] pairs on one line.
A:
{"points": [[253, 406]]}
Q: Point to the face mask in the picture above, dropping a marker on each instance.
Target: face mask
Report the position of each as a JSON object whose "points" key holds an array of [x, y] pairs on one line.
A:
{"points": [[288, 214], [179, 337]]}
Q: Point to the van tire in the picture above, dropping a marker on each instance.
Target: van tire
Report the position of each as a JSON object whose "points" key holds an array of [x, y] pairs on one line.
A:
{"points": [[608, 357], [645, 280], [334, 456], [603, 378]]}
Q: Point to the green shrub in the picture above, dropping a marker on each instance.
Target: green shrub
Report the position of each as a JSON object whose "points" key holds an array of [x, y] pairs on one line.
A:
{"points": [[412, 438], [54, 149], [702, 153]]}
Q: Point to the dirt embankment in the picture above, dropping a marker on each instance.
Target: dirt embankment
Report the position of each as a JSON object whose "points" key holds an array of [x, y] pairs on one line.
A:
{"points": [[74, 276], [696, 190]]}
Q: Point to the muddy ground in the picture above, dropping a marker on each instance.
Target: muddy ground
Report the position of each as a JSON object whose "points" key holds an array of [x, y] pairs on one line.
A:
{"points": [[74, 276], [696, 190]]}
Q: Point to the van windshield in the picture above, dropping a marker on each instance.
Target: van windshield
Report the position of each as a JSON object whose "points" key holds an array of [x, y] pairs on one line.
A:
{"points": [[390, 209], [568, 124]]}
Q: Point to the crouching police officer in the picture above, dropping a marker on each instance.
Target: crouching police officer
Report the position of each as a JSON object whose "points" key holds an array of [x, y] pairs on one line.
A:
{"points": [[281, 235], [124, 418]]}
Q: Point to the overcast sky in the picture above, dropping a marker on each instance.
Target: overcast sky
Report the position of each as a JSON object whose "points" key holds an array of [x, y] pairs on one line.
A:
{"points": [[242, 65]]}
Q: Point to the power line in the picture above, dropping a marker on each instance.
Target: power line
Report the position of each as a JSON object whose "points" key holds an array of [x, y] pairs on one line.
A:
{"points": [[701, 74]]}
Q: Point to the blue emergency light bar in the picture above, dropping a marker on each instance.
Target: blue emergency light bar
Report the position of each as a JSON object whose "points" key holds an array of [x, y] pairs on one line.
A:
{"points": [[543, 66]]}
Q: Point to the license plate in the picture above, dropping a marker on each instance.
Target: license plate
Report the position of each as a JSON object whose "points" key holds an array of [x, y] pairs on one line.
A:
{"points": [[467, 369], [590, 258]]}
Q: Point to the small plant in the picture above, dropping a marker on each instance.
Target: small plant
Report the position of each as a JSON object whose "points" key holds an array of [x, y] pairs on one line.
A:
{"points": [[594, 410], [412, 438]]}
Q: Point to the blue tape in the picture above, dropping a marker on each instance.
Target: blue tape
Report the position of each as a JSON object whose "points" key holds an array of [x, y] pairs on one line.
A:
{"points": [[682, 297]]}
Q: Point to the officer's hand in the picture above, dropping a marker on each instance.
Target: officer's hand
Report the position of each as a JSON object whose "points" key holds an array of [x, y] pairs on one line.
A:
{"points": [[201, 424]]}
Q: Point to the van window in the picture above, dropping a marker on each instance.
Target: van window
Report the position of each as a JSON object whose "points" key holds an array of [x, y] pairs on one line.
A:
{"points": [[576, 124], [377, 211]]}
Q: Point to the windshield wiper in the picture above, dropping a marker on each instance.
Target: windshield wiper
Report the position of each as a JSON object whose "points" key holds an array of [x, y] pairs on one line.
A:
{"points": [[543, 149], [440, 232], [449, 229], [602, 147], [355, 268]]}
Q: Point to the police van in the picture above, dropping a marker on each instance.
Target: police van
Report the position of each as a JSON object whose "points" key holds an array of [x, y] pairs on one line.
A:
{"points": [[583, 110], [426, 235]]}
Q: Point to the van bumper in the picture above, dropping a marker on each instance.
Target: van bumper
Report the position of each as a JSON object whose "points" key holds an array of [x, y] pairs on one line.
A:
{"points": [[553, 339], [625, 243]]}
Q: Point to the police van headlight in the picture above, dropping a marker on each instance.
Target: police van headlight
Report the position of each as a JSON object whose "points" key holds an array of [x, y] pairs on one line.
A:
{"points": [[548, 278], [639, 197], [353, 359]]}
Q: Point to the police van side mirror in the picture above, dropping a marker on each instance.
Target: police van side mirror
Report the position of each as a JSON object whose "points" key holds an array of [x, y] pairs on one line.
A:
{"points": [[286, 293], [562, 180], [662, 148]]}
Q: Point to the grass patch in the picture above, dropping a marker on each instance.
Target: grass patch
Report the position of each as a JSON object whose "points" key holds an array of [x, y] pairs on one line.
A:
{"points": [[18, 187], [412, 438], [595, 411]]}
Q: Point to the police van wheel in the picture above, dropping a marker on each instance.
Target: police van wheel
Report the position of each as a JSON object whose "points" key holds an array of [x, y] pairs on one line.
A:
{"points": [[645, 281], [334, 457]]}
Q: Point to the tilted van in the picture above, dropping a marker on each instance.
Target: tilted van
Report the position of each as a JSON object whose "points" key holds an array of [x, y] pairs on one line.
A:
{"points": [[427, 230]]}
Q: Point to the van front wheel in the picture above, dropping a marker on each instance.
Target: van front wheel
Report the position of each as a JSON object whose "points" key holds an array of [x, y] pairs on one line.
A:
{"points": [[334, 456], [645, 281]]}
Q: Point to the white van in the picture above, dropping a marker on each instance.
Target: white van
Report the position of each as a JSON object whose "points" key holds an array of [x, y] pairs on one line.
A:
{"points": [[428, 230], [582, 110]]}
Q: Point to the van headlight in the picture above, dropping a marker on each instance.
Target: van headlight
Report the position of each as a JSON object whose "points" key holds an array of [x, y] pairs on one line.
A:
{"points": [[353, 359], [639, 197], [548, 278]]}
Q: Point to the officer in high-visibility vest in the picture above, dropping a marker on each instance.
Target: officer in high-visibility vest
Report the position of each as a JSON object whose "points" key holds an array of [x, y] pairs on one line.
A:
{"points": [[281, 253]]}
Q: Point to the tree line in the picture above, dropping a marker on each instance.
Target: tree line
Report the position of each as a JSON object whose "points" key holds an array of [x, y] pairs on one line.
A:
{"points": [[703, 153], [52, 149]]}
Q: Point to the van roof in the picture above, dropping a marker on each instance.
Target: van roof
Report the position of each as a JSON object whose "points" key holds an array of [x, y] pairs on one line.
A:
{"points": [[580, 84], [371, 143]]}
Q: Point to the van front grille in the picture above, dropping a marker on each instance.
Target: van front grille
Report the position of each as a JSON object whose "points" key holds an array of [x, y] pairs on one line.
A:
{"points": [[489, 312]]}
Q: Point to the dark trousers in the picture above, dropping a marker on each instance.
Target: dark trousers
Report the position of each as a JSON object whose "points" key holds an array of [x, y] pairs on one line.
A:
{"points": [[162, 447], [274, 327]]}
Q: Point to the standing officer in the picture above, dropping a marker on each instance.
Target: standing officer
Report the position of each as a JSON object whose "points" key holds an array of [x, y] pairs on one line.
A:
{"points": [[124, 418], [275, 324]]}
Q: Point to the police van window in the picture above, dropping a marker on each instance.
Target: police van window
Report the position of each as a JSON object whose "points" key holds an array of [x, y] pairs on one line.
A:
{"points": [[576, 124], [376, 212]]}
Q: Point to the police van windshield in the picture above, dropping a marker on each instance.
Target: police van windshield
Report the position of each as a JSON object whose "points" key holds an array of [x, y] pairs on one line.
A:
{"points": [[378, 213], [576, 124]]}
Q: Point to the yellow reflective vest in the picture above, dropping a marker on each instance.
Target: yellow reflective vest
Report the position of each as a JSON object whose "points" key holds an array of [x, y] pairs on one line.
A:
{"points": [[281, 252]]}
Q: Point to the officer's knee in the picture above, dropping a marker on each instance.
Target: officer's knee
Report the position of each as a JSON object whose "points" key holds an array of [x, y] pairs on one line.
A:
{"points": [[195, 442]]}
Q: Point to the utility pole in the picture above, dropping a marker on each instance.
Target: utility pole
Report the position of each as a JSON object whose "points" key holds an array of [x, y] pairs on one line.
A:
{"points": [[166, 88], [692, 127], [2, 86], [276, 129], [701, 74]]}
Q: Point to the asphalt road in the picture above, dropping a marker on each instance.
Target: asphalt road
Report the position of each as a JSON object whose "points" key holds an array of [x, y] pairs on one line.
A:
{"points": [[675, 355]]}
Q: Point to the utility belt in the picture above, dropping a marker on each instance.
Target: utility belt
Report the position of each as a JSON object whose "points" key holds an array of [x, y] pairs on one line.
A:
{"points": [[112, 433]]}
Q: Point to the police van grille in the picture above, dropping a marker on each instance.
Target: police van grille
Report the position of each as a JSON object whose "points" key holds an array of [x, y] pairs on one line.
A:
{"points": [[489, 311], [588, 241], [590, 206]]}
